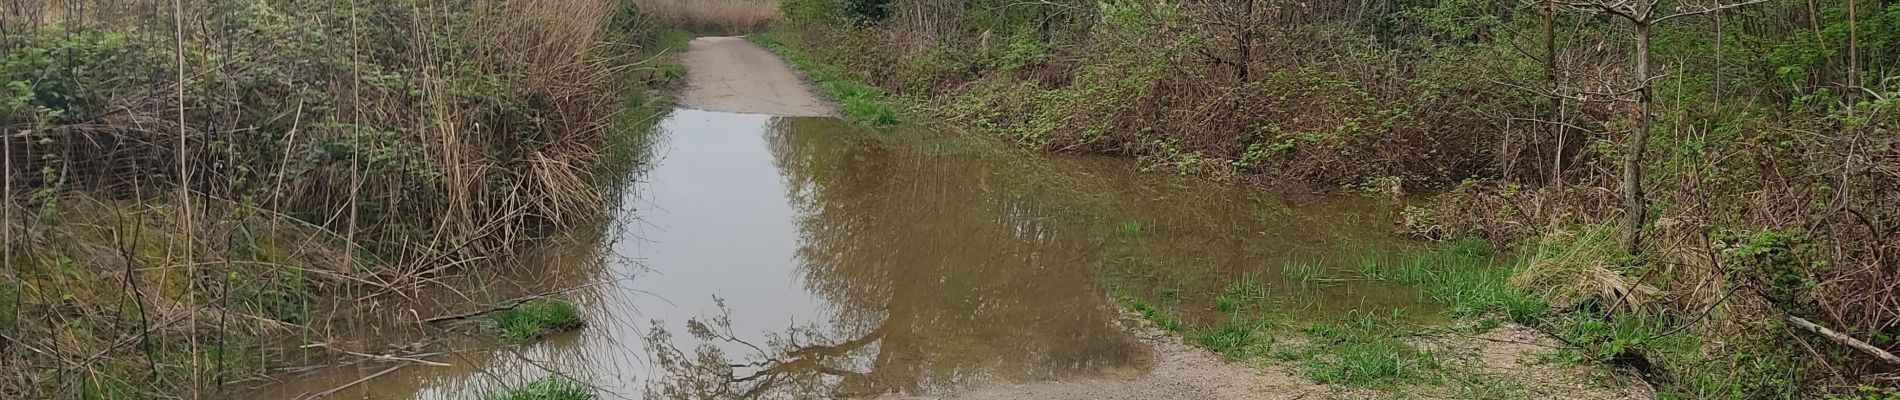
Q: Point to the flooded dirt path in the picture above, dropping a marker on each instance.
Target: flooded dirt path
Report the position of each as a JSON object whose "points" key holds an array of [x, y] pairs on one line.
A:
{"points": [[730, 74], [766, 251]]}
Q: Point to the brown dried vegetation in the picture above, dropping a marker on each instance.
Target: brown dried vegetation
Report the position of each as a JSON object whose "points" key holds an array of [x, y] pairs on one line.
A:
{"points": [[335, 156]]}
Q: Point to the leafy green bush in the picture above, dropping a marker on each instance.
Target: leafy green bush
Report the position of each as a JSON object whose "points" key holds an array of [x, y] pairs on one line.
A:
{"points": [[76, 77], [836, 11]]}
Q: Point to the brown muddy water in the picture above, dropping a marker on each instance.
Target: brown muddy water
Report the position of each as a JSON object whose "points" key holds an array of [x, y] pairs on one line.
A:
{"points": [[782, 257]]}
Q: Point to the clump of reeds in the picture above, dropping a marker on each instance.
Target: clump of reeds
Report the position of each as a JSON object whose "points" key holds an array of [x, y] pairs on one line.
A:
{"points": [[714, 16]]}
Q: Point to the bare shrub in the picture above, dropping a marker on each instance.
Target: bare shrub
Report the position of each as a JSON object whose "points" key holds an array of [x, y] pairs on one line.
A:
{"points": [[714, 16]]}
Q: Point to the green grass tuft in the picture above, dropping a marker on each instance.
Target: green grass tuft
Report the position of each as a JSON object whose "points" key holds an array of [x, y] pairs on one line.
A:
{"points": [[1235, 338], [1227, 304], [549, 388], [1247, 289], [1364, 351], [1160, 317], [537, 317], [866, 110], [1131, 229]]}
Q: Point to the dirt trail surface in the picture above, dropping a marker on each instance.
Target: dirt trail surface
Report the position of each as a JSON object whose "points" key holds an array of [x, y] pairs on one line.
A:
{"points": [[1177, 371], [1508, 354], [730, 74]]}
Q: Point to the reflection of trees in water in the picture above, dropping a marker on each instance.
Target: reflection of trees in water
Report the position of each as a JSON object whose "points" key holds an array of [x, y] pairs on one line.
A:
{"points": [[937, 278], [781, 369]]}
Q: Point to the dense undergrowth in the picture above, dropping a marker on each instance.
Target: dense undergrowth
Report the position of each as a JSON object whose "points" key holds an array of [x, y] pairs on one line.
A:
{"points": [[187, 204], [717, 17], [1761, 139]]}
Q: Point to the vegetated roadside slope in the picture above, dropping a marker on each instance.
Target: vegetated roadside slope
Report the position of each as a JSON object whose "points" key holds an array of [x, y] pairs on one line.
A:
{"points": [[189, 204], [730, 74], [1700, 172]]}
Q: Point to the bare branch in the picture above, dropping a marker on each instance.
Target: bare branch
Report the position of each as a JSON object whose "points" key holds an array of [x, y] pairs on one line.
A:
{"points": [[1618, 9], [1709, 10], [1845, 340]]}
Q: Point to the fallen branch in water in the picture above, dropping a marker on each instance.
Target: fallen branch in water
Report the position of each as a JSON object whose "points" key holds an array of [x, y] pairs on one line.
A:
{"points": [[1845, 340], [498, 307], [383, 357], [512, 303], [319, 395]]}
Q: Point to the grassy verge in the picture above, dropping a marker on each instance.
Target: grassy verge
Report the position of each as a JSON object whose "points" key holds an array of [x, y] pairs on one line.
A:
{"points": [[859, 102], [1393, 350], [1475, 290], [643, 108], [536, 318]]}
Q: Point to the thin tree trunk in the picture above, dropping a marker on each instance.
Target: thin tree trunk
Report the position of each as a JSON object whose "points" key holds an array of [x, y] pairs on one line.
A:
{"points": [[1636, 209], [1853, 50], [1814, 19], [1720, 31], [1246, 43], [1556, 102], [6, 224], [184, 202]]}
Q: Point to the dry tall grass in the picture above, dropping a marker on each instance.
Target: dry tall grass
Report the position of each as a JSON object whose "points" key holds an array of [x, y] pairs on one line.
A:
{"points": [[191, 178], [714, 16]]}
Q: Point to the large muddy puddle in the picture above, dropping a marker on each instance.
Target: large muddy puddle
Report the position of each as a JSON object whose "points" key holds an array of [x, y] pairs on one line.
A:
{"points": [[778, 257]]}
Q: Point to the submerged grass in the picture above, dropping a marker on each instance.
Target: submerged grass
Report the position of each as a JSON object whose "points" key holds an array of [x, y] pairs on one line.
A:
{"points": [[549, 388], [535, 318], [1244, 292], [1464, 276], [1309, 273]]}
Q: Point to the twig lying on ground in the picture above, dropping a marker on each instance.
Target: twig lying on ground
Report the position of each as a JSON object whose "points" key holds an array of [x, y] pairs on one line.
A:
{"points": [[1845, 340]]}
